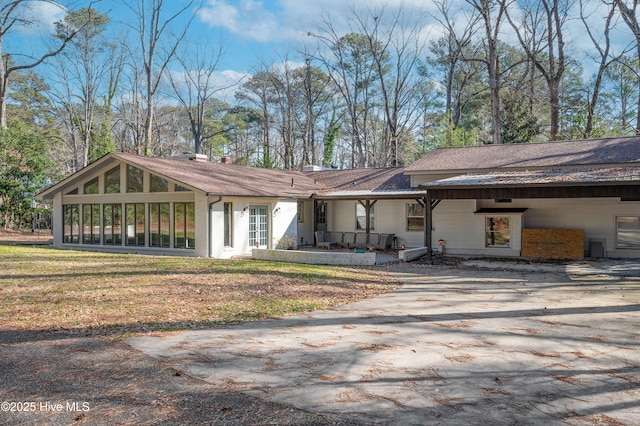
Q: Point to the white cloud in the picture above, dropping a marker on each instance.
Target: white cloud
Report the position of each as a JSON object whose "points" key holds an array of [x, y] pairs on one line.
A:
{"points": [[246, 18], [42, 15]]}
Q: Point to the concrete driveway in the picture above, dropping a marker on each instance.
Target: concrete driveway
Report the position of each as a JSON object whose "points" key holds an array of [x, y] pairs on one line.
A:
{"points": [[482, 343]]}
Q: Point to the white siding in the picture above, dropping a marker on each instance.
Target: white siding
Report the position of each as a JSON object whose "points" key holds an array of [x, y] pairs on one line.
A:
{"points": [[305, 228], [596, 216], [281, 225], [463, 230]]}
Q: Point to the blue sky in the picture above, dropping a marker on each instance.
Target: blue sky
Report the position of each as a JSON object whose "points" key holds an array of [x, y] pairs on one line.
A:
{"points": [[255, 31]]}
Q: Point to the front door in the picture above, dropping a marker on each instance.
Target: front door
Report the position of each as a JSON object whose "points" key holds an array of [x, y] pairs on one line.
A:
{"points": [[321, 216], [258, 226]]}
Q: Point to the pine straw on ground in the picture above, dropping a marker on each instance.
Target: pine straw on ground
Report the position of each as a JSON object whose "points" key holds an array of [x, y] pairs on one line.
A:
{"points": [[62, 313], [115, 294]]}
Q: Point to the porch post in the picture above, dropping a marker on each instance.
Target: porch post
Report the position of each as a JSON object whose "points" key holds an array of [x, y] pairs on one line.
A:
{"points": [[367, 220]]}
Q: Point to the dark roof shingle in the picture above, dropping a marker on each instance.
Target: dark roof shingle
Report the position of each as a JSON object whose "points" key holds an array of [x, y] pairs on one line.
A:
{"points": [[549, 154]]}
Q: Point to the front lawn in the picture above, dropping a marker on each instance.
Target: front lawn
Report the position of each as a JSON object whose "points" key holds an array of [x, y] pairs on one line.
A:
{"points": [[116, 294]]}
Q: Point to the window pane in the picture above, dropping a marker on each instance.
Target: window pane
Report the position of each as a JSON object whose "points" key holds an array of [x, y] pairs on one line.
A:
{"points": [[628, 232], [361, 220], [71, 223], [154, 225], [112, 181], [158, 184], [135, 224], [497, 232], [178, 225], [86, 224], [91, 224], [111, 224], [117, 224], [91, 187], [415, 217], [140, 235], [159, 225], [191, 225], [134, 179]]}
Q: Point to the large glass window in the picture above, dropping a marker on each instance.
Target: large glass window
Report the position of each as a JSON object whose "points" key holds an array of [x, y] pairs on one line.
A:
{"points": [[628, 232], [112, 181], [158, 184], [228, 224], [184, 225], [159, 225], [112, 224], [415, 217], [71, 223], [91, 187], [361, 217], [134, 179], [135, 224], [497, 233], [91, 223]]}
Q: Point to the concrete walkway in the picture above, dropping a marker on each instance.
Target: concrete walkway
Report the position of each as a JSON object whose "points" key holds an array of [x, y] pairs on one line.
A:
{"points": [[481, 344]]}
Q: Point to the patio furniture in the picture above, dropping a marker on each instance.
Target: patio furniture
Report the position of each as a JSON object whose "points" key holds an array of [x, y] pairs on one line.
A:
{"points": [[321, 242], [384, 242], [348, 238], [360, 240]]}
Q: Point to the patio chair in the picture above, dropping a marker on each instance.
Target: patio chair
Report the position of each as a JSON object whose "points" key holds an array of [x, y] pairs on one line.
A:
{"points": [[348, 238], [321, 242], [334, 237], [360, 240], [385, 241]]}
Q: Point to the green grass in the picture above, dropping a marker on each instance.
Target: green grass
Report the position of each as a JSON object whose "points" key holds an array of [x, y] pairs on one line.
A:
{"points": [[116, 294]]}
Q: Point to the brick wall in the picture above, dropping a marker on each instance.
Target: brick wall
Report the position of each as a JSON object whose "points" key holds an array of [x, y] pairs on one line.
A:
{"points": [[316, 257]]}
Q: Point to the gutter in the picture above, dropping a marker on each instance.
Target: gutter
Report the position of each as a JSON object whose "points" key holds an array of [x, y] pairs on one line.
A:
{"points": [[210, 220]]}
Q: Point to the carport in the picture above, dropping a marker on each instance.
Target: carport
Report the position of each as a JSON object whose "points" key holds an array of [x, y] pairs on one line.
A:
{"points": [[566, 183]]}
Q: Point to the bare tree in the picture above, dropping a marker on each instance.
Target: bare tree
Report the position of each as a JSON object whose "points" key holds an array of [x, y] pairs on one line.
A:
{"points": [[159, 45], [629, 12], [13, 15], [397, 50], [604, 60], [449, 54], [258, 91], [82, 72], [541, 36], [351, 66], [492, 13], [195, 86]]}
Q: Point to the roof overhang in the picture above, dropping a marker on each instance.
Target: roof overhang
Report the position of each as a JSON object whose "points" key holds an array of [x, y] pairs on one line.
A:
{"points": [[621, 182], [371, 195]]}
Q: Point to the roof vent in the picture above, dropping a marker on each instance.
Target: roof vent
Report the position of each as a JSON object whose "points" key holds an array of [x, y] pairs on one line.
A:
{"points": [[190, 156], [313, 168]]}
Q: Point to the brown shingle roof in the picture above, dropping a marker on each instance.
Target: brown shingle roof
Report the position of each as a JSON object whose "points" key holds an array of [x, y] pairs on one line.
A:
{"points": [[228, 179], [551, 154], [361, 179], [550, 177]]}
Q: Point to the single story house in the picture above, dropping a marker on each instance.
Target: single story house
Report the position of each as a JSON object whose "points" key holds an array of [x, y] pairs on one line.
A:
{"points": [[484, 200]]}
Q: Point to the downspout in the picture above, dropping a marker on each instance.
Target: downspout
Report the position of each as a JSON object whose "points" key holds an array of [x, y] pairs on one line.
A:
{"points": [[211, 225], [428, 211]]}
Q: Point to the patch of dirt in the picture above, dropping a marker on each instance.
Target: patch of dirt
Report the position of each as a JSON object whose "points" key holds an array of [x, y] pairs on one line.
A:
{"points": [[38, 237], [114, 384]]}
